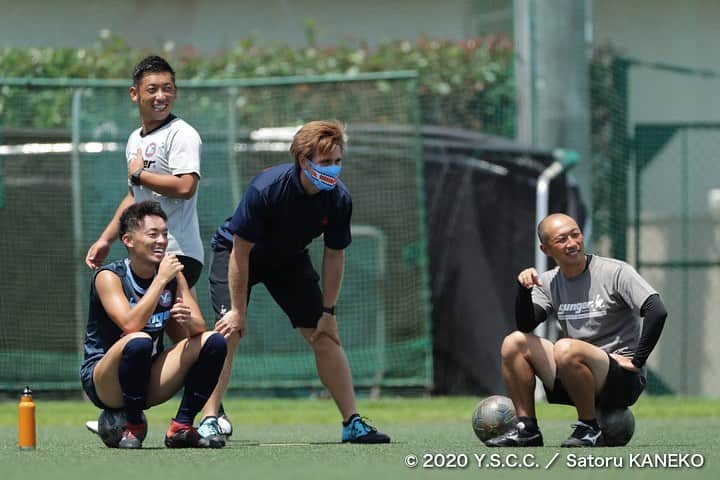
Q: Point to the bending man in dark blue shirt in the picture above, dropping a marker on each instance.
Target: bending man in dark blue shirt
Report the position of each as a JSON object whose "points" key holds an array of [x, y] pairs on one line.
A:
{"points": [[265, 241]]}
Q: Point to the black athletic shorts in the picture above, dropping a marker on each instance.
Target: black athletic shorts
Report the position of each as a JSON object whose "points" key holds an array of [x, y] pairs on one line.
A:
{"points": [[88, 385], [191, 269], [294, 285], [622, 388]]}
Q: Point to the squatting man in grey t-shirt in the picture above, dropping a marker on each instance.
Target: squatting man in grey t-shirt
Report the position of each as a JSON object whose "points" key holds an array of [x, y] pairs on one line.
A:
{"points": [[600, 361]]}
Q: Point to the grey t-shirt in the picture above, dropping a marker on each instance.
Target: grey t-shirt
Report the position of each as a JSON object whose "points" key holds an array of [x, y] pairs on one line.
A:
{"points": [[600, 306]]}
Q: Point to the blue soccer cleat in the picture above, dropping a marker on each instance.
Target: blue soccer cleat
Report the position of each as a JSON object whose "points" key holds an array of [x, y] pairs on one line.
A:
{"points": [[210, 428], [358, 430]]}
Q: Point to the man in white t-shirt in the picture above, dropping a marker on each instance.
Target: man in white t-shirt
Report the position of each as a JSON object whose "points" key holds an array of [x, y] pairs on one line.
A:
{"points": [[163, 164], [600, 361]]}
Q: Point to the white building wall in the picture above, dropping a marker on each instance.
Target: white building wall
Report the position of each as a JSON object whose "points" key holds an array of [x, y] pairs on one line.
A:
{"points": [[215, 24]]}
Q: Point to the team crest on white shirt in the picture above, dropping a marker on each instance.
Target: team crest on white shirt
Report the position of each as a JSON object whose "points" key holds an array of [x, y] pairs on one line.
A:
{"points": [[151, 150]]}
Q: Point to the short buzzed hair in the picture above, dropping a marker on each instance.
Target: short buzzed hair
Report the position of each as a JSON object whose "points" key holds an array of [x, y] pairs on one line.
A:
{"points": [[151, 64], [135, 213], [541, 231]]}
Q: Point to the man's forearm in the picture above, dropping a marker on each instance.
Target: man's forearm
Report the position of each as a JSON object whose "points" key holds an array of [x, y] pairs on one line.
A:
{"points": [[332, 275], [238, 277], [654, 315], [181, 186], [527, 314]]}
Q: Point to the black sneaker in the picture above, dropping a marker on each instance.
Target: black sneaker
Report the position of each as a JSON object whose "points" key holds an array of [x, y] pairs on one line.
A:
{"points": [[185, 436], [584, 435], [519, 436], [358, 430]]}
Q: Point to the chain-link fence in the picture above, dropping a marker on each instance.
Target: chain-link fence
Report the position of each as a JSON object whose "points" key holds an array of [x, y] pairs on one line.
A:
{"points": [[656, 171], [61, 187]]}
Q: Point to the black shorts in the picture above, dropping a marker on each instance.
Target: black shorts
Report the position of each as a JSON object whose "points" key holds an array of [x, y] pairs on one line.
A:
{"points": [[191, 269], [622, 388], [294, 285], [88, 385]]}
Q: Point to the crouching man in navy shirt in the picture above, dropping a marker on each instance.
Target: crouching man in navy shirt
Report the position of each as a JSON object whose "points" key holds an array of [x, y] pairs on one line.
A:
{"points": [[134, 301], [265, 241]]}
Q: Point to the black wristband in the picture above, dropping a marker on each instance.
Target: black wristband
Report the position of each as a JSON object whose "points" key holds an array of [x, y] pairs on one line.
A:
{"points": [[135, 177], [329, 310]]}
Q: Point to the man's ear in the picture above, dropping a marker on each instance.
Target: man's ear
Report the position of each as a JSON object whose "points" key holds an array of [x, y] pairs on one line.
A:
{"points": [[133, 91], [544, 249], [127, 240]]}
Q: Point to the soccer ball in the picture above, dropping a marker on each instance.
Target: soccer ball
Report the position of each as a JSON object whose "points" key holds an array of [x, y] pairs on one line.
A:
{"points": [[493, 416], [617, 425], [111, 424]]}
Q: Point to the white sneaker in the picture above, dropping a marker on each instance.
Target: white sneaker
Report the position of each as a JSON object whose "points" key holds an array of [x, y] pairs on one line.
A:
{"points": [[226, 427], [92, 425]]}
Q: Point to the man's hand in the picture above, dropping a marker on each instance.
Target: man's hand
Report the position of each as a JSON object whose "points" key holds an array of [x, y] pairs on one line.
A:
{"points": [[625, 362], [327, 325], [136, 163], [181, 313], [169, 267], [233, 321], [97, 253], [529, 278]]}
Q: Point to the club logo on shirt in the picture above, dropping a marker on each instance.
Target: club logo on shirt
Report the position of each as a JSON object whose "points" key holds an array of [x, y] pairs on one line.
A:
{"points": [[583, 310], [324, 221], [165, 298], [151, 150]]}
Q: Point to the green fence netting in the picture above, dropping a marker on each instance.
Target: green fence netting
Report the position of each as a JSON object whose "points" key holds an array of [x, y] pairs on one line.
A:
{"points": [[59, 195]]}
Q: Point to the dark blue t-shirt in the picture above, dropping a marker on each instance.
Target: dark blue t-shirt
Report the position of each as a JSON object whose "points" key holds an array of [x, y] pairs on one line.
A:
{"points": [[281, 219], [102, 332]]}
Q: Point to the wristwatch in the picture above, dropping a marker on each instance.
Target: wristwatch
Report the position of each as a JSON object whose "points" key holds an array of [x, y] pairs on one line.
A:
{"points": [[329, 310], [135, 177]]}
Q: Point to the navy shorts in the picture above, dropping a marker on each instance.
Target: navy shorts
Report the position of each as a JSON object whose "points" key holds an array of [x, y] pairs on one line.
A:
{"points": [[293, 283], [191, 269], [622, 388], [86, 378]]}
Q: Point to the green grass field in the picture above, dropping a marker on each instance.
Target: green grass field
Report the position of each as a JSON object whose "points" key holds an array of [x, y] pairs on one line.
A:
{"points": [[298, 438]]}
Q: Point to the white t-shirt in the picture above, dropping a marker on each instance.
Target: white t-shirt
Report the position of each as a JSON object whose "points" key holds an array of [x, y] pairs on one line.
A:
{"points": [[172, 149]]}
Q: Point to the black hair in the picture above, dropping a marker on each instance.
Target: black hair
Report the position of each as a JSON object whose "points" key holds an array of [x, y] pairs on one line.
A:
{"points": [[151, 64], [131, 217]]}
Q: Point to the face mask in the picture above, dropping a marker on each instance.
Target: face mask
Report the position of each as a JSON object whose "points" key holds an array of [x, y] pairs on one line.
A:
{"points": [[324, 178]]}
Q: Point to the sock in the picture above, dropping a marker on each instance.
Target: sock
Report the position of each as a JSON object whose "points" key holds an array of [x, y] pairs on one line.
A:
{"points": [[350, 419], [531, 424], [202, 378], [221, 410], [134, 375], [592, 423]]}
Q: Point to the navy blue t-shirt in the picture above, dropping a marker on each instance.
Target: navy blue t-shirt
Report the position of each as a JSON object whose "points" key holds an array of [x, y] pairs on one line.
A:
{"points": [[281, 219]]}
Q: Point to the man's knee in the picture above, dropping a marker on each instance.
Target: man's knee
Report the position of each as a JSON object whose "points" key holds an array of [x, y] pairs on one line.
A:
{"points": [[135, 335], [323, 344], [232, 342], [214, 345], [567, 351], [138, 344], [514, 343]]}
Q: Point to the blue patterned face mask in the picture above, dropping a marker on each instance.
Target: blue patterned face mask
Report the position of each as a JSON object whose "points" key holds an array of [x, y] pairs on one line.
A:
{"points": [[324, 178]]}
